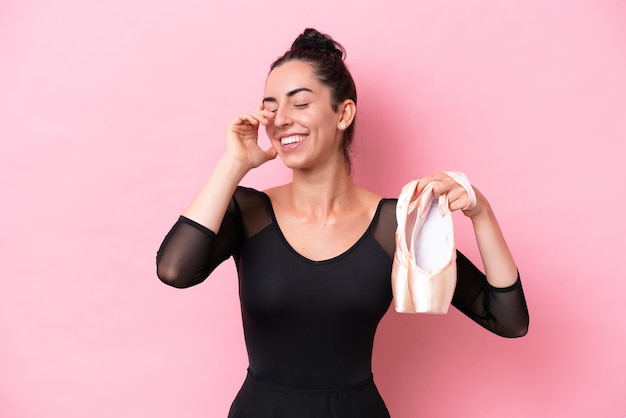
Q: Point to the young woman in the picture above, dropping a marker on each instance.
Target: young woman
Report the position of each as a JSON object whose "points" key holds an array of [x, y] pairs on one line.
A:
{"points": [[314, 256]]}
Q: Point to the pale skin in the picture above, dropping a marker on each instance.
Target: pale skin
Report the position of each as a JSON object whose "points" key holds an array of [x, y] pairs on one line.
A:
{"points": [[322, 212]]}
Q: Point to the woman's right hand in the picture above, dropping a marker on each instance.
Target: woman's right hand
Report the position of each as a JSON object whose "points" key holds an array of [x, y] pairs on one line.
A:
{"points": [[242, 138], [242, 154]]}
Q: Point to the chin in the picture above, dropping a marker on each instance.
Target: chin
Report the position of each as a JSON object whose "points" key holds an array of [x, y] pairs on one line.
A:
{"points": [[294, 164]]}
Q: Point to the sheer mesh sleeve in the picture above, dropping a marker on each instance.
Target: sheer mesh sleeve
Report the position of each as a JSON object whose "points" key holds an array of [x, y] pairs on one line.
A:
{"points": [[190, 251], [502, 311], [384, 229]]}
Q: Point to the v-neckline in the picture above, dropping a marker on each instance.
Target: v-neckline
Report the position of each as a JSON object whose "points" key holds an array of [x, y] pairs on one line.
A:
{"points": [[308, 260]]}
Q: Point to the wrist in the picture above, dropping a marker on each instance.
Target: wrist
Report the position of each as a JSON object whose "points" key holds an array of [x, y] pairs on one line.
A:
{"points": [[480, 213], [234, 165]]}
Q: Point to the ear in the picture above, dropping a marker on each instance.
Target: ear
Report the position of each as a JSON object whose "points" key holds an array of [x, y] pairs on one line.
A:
{"points": [[347, 112]]}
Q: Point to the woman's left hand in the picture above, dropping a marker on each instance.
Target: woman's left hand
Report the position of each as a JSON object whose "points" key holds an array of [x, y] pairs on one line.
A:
{"points": [[498, 262], [458, 198]]}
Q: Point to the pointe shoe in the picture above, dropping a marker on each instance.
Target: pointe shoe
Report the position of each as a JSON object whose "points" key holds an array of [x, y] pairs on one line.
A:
{"points": [[424, 266]]}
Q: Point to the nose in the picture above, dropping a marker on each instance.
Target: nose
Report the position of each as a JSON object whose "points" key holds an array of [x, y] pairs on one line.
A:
{"points": [[283, 117]]}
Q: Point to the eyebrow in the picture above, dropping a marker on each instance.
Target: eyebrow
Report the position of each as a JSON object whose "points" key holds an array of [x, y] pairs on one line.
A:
{"points": [[289, 94]]}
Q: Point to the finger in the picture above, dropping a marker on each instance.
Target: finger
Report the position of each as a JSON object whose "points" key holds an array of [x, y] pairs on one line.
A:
{"points": [[267, 116], [263, 116], [443, 186], [421, 185], [439, 183], [270, 153], [244, 119], [457, 200], [254, 119], [457, 193]]}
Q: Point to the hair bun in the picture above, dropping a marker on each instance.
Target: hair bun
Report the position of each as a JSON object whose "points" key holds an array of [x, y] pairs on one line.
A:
{"points": [[313, 40]]}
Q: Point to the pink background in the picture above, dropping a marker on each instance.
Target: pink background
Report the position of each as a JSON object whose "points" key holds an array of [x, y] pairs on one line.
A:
{"points": [[112, 114]]}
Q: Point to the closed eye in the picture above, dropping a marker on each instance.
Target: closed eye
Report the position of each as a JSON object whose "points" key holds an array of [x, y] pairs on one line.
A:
{"points": [[300, 105], [269, 109]]}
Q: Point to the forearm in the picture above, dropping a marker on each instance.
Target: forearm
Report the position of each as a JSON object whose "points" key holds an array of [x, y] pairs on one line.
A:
{"points": [[502, 311], [192, 248], [498, 262], [210, 204]]}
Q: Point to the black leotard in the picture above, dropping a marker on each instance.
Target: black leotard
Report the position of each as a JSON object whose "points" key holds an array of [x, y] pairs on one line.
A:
{"points": [[311, 324]]}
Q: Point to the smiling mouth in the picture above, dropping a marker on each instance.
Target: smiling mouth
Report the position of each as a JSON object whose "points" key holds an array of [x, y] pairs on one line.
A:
{"points": [[292, 139]]}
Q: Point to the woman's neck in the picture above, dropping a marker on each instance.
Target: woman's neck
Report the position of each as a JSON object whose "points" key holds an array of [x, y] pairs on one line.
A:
{"points": [[323, 192]]}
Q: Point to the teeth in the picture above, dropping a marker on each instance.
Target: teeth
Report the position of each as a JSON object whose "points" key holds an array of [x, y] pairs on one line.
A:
{"points": [[292, 139]]}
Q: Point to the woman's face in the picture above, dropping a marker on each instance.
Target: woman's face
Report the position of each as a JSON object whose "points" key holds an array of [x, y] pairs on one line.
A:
{"points": [[304, 130]]}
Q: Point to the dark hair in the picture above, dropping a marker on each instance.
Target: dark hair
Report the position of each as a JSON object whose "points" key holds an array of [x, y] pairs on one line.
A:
{"points": [[326, 57]]}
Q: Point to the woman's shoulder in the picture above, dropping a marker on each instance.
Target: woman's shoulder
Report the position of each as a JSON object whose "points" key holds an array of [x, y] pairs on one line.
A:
{"points": [[254, 209], [381, 203], [276, 192], [247, 198], [247, 191]]}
